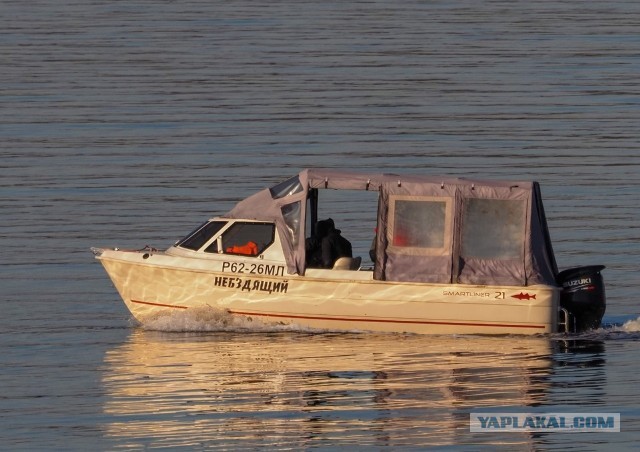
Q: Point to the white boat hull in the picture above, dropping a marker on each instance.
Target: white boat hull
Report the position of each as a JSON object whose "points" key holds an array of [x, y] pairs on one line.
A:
{"points": [[159, 284]]}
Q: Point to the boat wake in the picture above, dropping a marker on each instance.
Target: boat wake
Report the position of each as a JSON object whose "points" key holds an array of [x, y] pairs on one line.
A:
{"points": [[210, 319], [629, 326]]}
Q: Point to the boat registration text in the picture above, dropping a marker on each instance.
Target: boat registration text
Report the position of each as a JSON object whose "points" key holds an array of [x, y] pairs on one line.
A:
{"points": [[253, 269]]}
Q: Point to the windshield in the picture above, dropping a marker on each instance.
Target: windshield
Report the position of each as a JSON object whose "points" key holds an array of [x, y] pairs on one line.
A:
{"points": [[201, 235]]}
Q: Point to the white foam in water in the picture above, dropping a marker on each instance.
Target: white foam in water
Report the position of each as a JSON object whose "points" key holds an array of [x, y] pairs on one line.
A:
{"points": [[212, 319], [617, 327], [631, 325]]}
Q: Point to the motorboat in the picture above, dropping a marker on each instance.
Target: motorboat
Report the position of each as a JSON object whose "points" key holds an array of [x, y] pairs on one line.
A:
{"points": [[449, 256]]}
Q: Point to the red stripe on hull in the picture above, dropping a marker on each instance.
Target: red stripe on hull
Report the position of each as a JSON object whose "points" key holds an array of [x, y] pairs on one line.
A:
{"points": [[349, 319], [159, 304], [419, 322]]}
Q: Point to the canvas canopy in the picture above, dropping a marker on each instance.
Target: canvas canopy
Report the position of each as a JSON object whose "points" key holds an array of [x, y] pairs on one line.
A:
{"points": [[430, 229]]}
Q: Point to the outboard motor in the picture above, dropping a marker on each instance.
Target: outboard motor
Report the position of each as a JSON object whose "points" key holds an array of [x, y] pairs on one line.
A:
{"points": [[582, 299]]}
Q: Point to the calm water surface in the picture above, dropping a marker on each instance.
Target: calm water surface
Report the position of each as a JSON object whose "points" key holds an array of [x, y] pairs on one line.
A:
{"points": [[128, 123]]}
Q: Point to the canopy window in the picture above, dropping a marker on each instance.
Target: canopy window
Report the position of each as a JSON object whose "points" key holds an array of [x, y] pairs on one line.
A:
{"points": [[291, 213], [492, 243], [415, 232], [493, 229], [420, 225]]}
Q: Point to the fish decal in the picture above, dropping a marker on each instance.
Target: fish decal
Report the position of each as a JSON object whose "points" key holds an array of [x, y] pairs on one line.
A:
{"points": [[524, 296]]}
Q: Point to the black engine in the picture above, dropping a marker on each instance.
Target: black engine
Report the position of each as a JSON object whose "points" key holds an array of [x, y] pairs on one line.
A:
{"points": [[582, 299]]}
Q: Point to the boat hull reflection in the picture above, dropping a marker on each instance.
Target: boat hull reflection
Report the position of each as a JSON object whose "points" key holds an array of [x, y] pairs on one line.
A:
{"points": [[299, 390]]}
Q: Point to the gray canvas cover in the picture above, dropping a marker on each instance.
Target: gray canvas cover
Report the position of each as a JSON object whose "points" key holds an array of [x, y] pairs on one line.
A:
{"points": [[430, 229]]}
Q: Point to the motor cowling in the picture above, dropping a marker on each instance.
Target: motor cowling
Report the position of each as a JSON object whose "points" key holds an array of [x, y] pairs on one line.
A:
{"points": [[583, 296]]}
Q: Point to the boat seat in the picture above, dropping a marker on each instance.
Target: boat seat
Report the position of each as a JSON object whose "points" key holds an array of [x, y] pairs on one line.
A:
{"points": [[347, 263]]}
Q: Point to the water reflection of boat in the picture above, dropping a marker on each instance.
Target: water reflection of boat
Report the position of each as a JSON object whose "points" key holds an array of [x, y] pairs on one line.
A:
{"points": [[450, 256], [258, 389]]}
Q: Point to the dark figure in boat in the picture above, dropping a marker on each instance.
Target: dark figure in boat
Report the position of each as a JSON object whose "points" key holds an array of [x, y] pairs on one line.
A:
{"points": [[327, 245]]}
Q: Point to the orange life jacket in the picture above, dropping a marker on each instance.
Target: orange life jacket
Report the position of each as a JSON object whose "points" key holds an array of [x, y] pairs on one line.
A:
{"points": [[250, 249]]}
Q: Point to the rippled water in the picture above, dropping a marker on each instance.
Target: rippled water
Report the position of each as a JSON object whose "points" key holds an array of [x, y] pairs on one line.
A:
{"points": [[127, 123]]}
